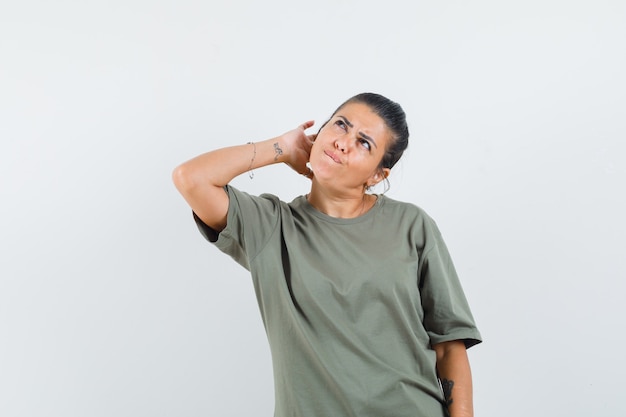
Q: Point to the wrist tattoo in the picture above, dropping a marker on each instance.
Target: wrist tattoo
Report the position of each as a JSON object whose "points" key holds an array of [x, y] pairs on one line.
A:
{"points": [[278, 151], [447, 386]]}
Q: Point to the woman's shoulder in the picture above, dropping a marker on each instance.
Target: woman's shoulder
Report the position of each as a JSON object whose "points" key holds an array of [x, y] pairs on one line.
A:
{"points": [[240, 194], [412, 218], [404, 208]]}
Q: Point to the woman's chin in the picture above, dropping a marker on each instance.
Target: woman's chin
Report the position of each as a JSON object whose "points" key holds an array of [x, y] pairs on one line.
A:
{"points": [[321, 173]]}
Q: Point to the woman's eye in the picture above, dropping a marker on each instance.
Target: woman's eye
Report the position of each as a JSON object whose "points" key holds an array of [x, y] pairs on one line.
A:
{"points": [[365, 144], [341, 124]]}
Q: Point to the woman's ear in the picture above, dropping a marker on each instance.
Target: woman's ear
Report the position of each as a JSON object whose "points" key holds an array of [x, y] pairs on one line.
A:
{"points": [[380, 175]]}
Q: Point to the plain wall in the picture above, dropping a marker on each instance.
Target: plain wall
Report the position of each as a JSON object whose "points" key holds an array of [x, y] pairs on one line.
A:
{"points": [[112, 304]]}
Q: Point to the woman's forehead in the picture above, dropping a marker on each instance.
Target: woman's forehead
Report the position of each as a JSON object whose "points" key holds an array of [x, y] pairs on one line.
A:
{"points": [[365, 119]]}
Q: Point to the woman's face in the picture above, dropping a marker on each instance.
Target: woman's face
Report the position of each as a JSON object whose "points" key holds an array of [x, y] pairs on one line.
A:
{"points": [[349, 148]]}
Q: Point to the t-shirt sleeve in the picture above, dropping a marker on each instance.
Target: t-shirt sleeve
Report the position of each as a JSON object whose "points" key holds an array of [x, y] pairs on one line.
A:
{"points": [[249, 223], [447, 315]]}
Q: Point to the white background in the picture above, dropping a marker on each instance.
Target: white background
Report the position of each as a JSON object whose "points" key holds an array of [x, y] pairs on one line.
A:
{"points": [[111, 303]]}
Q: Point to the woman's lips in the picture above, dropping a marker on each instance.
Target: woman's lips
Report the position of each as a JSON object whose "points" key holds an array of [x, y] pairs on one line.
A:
{"points": [[333, 156]]}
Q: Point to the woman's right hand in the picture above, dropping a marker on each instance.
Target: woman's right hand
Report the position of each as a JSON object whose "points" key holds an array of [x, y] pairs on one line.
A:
{"points": [[201, 180], [298, 148]]}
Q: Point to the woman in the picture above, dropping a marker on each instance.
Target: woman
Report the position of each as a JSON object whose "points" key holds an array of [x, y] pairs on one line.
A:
{"points": [[360, 301]]}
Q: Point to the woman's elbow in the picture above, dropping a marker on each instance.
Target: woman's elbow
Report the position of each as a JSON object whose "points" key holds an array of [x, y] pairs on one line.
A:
{"points": [[183, 178]]}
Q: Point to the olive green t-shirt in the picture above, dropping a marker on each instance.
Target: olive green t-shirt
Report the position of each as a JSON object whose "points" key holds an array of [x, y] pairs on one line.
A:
{"points": [[351, 307]]}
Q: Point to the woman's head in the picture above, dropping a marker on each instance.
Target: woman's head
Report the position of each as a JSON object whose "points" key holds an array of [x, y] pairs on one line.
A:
{"points": [[358, 145], [395, 119]]}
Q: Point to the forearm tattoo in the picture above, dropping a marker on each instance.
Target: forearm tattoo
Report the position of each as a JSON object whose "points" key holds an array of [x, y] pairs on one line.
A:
{"points": [[447, 391], [278, 151]]}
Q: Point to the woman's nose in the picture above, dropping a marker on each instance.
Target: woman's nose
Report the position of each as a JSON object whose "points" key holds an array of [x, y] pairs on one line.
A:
{"points": [[341, 144]]}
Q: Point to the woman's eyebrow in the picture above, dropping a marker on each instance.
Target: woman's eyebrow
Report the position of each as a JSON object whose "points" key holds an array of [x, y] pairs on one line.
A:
{"points": [[346, 120], [363, 135]]}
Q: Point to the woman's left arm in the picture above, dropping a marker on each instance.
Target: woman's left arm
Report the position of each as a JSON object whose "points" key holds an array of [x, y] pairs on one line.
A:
{"points": [[456, 378]]}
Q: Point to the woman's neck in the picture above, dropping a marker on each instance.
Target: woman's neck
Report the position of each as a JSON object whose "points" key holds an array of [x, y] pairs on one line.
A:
{"points": [[341, 205]]}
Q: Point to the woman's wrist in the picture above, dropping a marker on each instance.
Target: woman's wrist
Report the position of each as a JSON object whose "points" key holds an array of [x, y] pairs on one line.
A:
{"points": [[266, 152], [279, 149]]}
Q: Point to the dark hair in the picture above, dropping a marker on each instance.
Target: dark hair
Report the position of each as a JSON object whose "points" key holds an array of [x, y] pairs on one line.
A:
{"points": [[395, 119]]}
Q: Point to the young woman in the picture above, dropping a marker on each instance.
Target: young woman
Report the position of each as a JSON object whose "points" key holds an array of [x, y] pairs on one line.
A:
{"points": [[362, 306]]}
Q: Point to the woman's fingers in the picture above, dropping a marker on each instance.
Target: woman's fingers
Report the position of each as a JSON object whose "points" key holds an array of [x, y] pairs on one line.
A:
{"points": [[307, 124], [300, 145]]}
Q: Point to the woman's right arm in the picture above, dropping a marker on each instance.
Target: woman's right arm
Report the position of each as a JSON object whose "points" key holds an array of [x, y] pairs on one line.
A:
{"points": [[201, 180]]}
